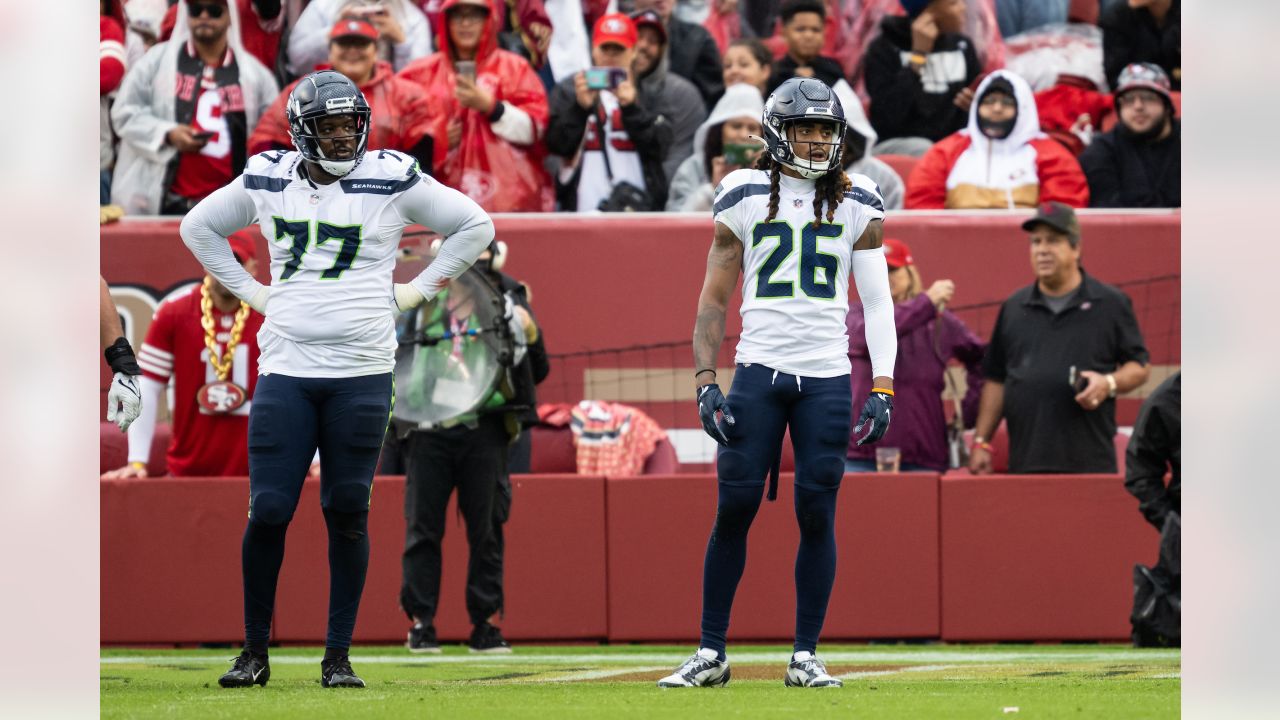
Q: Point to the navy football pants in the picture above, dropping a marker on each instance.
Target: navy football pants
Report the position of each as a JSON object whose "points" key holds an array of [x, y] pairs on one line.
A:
{"points": [[291, 416], [764, 403]]}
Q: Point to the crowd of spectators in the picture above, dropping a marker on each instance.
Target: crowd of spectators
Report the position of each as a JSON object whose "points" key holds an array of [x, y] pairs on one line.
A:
{"points": [[513, 102]]}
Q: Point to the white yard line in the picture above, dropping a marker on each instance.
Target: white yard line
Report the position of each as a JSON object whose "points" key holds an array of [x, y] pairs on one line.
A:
{"points": [[601, 674], [632, 659], [875, 673]]}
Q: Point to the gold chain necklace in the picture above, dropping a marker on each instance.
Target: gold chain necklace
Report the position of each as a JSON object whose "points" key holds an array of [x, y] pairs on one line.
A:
{"points": [[221, 365]]}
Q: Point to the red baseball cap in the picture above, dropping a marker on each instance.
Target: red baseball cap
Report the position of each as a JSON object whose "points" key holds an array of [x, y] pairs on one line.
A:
{"points": [[243, 245], [349, 27], [897, 254], [614, 28]]}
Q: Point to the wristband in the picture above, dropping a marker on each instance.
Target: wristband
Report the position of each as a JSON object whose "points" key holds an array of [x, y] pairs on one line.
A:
{"points": [[882, 390], [917, 58], [1111, 386], [710, 370], [137, 465], [980, 443], [498, 109], [121, 359]]}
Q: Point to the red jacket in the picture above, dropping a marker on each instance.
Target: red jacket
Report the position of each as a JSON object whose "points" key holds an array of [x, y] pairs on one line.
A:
{"points": [[499, 175], [966, 170], [1069, 98], [401, 114], [111, 55]]}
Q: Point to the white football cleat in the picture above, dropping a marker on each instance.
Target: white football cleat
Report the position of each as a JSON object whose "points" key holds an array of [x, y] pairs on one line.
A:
{"points": [[701, 670], [806, 670]]}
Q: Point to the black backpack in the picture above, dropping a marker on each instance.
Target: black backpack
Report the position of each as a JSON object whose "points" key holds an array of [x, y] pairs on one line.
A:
{"points": [[1157, 592]]}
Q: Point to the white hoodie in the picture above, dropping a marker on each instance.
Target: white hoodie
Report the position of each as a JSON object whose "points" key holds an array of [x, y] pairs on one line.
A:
{"points": [[143, 113], [690, 189]]}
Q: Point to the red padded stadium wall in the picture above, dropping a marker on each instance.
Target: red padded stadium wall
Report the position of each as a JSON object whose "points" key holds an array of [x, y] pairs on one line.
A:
{"points": [[887, 568], [171, 563], [1040, 557]]}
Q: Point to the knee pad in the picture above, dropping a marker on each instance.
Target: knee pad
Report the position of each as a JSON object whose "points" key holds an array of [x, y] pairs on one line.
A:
{"points": [[821, 473], [349, 497], [271, 508], [732, 466], [353, 526]]}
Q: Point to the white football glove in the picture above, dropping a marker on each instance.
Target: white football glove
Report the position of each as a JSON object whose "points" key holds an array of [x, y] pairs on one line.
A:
{"points": [[124, 400], [407, 297]]}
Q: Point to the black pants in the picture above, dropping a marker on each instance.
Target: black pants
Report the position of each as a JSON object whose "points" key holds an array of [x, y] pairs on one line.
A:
{"points": [[475, 462]]}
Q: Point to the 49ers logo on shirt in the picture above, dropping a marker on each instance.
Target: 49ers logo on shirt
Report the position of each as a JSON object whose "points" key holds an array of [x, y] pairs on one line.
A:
{"points": [[617, 134], [220, 397]]}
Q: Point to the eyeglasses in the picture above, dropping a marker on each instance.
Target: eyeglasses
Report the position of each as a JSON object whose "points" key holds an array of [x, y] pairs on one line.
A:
{"points": [[1135, 97], [213, 10]]}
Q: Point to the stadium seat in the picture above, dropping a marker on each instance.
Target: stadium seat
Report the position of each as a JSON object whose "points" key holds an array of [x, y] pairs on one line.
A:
{"points": [[113, 449], [901, 164]]}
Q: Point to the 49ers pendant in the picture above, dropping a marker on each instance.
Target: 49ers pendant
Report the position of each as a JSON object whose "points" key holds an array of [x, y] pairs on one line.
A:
{"points": [[220, 397]]}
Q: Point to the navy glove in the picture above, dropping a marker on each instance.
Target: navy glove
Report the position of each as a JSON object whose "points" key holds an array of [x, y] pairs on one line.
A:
{"points": [[875, 415], [710, 400]]}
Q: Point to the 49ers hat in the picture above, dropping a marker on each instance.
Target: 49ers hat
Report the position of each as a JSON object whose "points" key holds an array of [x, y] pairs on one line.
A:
{"points": [[614, 28], [353, 28], [897, 254]]}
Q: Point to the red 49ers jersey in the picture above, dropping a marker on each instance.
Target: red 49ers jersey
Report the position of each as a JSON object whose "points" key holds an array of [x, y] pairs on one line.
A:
{"points": [[203, 443]]}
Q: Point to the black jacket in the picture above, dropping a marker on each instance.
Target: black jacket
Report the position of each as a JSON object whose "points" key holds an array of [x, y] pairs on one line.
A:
{"points": [[1154, 449], [650, 132], [824, 68], [901, 104], [1123, 173], [692, 54], [1130, 36], [534, 368]]}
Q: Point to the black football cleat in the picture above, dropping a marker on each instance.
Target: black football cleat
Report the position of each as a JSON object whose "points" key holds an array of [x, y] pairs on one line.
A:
{"points": [[486, 638], [422, 639], [249, 669], [338, 673]]}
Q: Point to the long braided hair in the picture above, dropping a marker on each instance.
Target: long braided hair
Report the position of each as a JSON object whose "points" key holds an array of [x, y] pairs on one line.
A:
{"points": [[829, 190]]}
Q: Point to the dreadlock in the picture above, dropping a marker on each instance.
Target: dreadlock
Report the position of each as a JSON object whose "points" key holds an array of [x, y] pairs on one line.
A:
{"points": [[765, 162], [829, 190]]}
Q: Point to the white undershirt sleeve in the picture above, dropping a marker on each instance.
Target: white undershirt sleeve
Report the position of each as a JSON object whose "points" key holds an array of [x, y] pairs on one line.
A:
{"points": [[143, 430], [466, 228], [515, 126], [205, 230], [871, 273]]}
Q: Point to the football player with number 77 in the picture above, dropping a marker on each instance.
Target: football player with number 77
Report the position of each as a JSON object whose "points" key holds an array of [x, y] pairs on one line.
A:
{"points": [[333, 212], [793, 227]]}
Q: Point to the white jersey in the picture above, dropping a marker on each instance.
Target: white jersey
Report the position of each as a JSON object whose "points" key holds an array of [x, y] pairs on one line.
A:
{"points": [[795, 288], [333, 249]]}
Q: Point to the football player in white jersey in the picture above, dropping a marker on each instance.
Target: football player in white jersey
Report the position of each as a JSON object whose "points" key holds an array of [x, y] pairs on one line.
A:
{"points": [[794, 227], [333, 215]]}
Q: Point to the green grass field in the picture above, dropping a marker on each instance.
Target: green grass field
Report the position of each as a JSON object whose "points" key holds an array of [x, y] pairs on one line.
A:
{"points": [[616, 682]]}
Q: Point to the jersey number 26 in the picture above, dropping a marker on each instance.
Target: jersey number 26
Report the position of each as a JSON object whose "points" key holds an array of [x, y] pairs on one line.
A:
{"points": [[811, 260]]}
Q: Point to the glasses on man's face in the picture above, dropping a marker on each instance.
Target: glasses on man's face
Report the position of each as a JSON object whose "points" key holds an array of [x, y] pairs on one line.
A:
{"points": [[1001, 100], [213, 10], [1138, 97]]}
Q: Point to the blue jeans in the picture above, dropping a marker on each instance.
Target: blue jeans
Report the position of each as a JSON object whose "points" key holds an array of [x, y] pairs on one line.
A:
{"points": [[863, 465]]}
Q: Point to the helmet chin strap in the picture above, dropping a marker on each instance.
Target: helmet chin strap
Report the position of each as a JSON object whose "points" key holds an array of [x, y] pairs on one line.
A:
{"points": [[337, 168]]}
